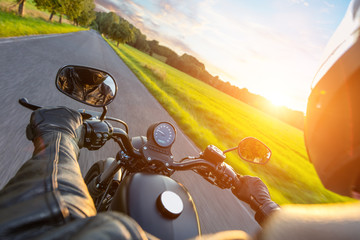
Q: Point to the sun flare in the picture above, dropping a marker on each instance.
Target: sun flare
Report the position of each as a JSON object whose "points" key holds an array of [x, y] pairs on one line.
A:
{"points": [[281, 99], [278, 99]]}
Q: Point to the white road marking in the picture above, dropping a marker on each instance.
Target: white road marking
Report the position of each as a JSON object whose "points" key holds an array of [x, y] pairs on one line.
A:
{"points": [[32, 37]]}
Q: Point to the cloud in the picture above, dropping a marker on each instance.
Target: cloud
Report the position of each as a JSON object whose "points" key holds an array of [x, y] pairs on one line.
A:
{"points": [[167, 21], [100, 8], [330, 5], [327, 8], [302, 2]]}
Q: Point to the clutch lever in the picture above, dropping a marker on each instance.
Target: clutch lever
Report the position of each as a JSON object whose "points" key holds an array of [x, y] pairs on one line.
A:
{"points": [[86, 114], [25, 103]]}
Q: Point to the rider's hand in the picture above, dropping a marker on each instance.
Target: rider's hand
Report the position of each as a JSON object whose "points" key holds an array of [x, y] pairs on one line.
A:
{"points": [[57, 119], [254, 192]]}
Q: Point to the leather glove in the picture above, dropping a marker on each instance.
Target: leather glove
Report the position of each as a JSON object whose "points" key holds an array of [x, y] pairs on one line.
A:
{"points": [[254, 192], [57, 119]]}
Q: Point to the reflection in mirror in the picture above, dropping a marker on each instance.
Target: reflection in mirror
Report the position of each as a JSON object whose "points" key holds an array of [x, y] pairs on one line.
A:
{"points": [[252, 150], [87, 85]]}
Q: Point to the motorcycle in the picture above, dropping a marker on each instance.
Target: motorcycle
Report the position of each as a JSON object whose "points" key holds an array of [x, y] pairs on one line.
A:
{"points": [[137, 180]]}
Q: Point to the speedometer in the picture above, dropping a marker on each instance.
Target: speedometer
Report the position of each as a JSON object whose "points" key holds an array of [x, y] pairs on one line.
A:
{"points": [[164, 134]]}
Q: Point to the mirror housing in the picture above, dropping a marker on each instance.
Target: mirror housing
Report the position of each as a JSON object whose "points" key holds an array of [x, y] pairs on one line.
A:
{"points": [[253, 150], [87, 85]]}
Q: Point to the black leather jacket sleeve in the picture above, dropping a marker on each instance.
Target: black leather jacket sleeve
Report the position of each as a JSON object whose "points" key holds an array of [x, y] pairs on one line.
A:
{"points": [[48, 199]]}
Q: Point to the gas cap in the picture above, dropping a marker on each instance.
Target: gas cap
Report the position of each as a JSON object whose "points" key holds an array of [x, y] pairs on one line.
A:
{"points": [[170, 204]]}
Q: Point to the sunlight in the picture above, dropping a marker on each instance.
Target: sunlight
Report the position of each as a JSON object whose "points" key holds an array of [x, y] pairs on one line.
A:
{"points": [[278, 100], [281, 99]]}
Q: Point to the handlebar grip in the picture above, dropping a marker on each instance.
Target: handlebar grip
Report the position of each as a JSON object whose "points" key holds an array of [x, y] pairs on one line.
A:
{"points": [[96, 134], [225, 176]]}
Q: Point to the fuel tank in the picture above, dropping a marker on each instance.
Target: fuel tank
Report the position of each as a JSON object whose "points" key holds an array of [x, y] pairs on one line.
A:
{"points": [[161, 206]]}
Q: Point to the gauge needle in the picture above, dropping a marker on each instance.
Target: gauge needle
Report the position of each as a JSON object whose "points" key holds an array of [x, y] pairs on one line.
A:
{"points": [[161, 132]]}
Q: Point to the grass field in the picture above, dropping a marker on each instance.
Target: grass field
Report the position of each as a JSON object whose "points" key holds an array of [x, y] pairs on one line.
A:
{"points": [[34, 22], [209, 116], [30, 10]]}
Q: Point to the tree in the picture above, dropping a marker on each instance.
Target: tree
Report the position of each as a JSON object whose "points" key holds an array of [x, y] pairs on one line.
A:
{"points": [[99, 16], [140, 42], [71, 8], [127, 31], [87, 15], [53, 6], [121, 32], [21, 6], [154, 45], [116, 32], [107, 22]]}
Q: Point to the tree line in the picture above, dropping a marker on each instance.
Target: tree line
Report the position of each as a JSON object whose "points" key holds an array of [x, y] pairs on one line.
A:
{"points": [[114, 27], [81, 12]]}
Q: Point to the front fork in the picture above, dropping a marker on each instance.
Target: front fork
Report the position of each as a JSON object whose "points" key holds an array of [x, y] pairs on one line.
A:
{"points": [[112, 171]]}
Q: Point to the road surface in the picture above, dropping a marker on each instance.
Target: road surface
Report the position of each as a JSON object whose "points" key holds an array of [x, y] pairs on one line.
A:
{"points": [[28, 69]]}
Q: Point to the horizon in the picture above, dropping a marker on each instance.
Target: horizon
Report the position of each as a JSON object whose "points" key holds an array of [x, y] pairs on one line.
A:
{"points": [[273, 50]]}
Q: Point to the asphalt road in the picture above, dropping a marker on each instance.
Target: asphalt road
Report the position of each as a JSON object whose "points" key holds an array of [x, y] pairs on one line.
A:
{"points": [[28, 69]]}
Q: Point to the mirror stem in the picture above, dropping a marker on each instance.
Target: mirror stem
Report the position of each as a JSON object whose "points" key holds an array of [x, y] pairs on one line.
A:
{"points": [[103, 113], [230, 149]]}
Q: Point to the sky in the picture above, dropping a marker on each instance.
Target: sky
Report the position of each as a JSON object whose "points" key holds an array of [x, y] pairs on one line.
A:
{"points": [[271, 47]]}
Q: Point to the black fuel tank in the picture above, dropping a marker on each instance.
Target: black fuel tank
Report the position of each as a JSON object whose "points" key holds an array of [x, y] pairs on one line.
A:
{"points": [[139, 197]]}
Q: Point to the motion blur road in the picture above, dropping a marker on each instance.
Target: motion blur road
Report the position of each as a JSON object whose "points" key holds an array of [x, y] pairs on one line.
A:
{"points": [[28, 69]]}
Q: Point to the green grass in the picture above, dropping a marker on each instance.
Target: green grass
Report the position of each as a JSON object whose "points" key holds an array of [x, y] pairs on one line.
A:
{"points": [[12, 5], [30, 10], [12, 25], [209, 116], [33, 23]]}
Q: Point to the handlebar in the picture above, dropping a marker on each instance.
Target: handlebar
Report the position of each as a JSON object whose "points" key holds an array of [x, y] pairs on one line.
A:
{"points": [[119, 133], [98, 132], [189, 165], [218, 173], [221, 175]]}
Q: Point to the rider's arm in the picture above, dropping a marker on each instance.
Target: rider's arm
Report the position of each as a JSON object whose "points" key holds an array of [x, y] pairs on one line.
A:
{"points": [[314, 221], [47, 196]]}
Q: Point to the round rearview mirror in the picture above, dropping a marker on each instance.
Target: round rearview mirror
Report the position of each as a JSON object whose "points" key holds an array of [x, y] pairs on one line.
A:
{"points": [[252, 150], [91, 86]]}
